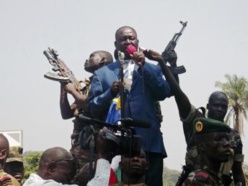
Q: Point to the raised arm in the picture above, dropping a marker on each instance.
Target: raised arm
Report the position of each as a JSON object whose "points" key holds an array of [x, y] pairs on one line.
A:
{"points": [[183, 103]]}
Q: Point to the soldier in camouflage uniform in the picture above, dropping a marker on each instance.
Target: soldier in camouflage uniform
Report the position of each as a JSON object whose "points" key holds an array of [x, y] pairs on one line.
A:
{"points": [[82, 134], [14, 163], [5, 178], [217, 108], [212, 138]]}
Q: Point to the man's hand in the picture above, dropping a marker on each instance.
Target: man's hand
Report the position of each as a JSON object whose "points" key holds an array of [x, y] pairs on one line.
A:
{"points": [[138, 58], [5, 180], [115, 89], [153, 55], [171, 57], [106, 144]]}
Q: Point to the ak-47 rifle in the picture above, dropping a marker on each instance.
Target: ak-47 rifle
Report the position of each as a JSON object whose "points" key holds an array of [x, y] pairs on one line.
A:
{"points": [[65, 74], [171, 46]]}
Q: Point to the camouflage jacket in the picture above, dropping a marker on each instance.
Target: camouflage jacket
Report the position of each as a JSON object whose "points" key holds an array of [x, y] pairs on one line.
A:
{"points": [[203, 178]]}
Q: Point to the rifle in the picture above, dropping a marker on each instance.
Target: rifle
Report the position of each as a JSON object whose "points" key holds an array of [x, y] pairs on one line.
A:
{"points": [[65, 74], [171, 46]]}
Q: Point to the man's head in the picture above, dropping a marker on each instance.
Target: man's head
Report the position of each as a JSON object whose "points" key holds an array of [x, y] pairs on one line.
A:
{"points": [[57, 164], [134, 166], [212, 138], [14, 163], [125, 36], [217, 105], [4, 150], [96, 60]]}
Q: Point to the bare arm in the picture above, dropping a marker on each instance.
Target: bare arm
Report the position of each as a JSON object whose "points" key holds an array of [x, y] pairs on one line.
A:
{"points": [[65, 109], [183, 103]]}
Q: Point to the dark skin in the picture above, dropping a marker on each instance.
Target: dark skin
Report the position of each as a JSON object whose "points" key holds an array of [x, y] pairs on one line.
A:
{"points": [[16, 169], [217, 106], [57, 164], [126, 36], [133, 168], [4, 151], [96, 60], [106, 148], [214, 148]]}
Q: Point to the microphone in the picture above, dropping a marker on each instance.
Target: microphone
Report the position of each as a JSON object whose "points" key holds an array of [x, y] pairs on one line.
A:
{"points": [[130, 50], [130, 122]]}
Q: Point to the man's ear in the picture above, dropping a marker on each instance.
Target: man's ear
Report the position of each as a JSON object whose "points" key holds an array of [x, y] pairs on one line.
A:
{"points": [[51, 167], [102, 62], [3, 154], [115, 43]]}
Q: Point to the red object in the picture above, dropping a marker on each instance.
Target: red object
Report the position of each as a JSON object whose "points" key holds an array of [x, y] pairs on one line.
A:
{"points": [[112, 178], [131, 49]]}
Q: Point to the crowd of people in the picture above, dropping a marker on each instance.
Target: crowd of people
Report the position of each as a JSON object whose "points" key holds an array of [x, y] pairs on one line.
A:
{"points": [[214, 151]]}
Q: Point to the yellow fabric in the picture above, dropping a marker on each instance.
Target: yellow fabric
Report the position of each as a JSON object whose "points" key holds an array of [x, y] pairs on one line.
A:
{"points": [[118, 103]]}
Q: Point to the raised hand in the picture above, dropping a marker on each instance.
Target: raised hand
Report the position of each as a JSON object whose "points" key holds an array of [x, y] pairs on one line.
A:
{"points": [[152, 55]]}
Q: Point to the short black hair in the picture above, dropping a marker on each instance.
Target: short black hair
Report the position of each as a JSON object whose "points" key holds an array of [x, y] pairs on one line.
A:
{"points": [[124, 27]]}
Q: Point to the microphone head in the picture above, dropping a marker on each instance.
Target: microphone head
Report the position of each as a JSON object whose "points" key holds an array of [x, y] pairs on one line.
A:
{"points": [[131, 49]]}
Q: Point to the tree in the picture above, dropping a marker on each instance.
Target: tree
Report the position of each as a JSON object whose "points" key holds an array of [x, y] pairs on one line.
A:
{"points": [[31, 162], [237, 93]]}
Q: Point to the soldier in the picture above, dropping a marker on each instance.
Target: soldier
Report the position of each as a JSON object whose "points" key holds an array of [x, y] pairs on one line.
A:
{"points": [[212, 138], [5, 178], [96, 60], [217, 108], [14, 163]]}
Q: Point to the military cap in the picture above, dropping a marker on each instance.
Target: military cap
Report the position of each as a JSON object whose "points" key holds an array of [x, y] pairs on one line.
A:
{"points": [[15, 154], [205, 125]]}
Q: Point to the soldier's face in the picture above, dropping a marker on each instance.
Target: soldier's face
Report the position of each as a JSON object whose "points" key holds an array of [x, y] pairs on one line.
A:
{"points": [[15, 169], [217, 107], [217, 146]]}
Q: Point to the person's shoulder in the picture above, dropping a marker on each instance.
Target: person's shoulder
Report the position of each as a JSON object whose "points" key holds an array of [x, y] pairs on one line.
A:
{"points": [[198, 176], [107, 67]]}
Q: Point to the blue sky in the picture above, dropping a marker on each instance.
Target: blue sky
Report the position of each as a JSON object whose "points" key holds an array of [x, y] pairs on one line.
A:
{"points": [[213, 44]]}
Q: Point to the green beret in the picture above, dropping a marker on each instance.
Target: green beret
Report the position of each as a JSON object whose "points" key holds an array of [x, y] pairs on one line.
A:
{"points": [[206, 125], [15, 154]]}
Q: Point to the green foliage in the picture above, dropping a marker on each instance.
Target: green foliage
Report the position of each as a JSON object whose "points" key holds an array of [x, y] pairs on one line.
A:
{"points": [[245, 168], [237, 93], [170, 177], [31, 162]]}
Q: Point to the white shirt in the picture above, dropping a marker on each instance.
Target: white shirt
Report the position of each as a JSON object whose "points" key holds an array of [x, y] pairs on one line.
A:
{"points": [[128, 68], [36, 180], [102, 174]]}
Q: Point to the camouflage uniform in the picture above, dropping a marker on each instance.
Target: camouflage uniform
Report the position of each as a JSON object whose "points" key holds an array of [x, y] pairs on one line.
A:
{"points": [[83, 135], [14, 163], [15, 154], [191, 157], [203, 178]]}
